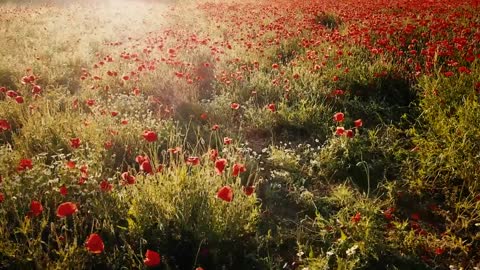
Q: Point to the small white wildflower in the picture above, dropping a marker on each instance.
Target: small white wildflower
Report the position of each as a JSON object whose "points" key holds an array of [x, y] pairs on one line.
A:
{"points": [[330, 253], [351, 251]]}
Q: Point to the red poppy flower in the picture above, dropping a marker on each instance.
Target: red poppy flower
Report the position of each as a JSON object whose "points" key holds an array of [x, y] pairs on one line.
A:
{"points": [[36, 208], [84, 170], [105, 186], [82, 180], [146, 166], [152, 258], [248, 190], [193, 161], [271, 107], [114, 113], [90, 102], [66, 209], [63, 190], [174, 150], [11, 93], [227, 140], [128, 179], [2, 197], [140, 159], [275, 66], [349, 133], [338, 92], [237, 169], [340, 131], [160, 168], [225, 193], [37, 89], [24, 164], [235, 106], [439, 251], [215, 127], [220, 165], [213, 154], [448, 74], [4, 125], [108, 145], [358, 123], [338, 117], [357, 217], [94, 244], [70, 164], [388, 214], [150, 136], [19, 99], [179, 74], [75, 142], [204, 116], [124, 122]]}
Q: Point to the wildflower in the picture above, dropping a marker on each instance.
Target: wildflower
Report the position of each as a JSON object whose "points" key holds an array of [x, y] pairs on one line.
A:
{"points": [[128, 179], [248, 190], [338, 117], [340, 131], [75, 143], [358, 123], [225, 193], [63, 190], [193, 161], [19, 99], [70, 164], [146, 166], [237, 169], [220, 165], [36, 208], [213, 154], [149, 136], [24, 164], [66, 209], [356, 218], [271, 107], [94, 244], [4, 125], [227, 140], [351, 251], [152, 258], [105, 186]]}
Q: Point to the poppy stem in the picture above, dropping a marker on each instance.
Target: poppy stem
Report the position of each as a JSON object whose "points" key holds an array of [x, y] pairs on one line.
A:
{"points": [[198, 251]]}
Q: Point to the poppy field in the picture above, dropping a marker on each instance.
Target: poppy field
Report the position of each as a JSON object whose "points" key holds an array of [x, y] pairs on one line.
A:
{"points": [[227, 134]]}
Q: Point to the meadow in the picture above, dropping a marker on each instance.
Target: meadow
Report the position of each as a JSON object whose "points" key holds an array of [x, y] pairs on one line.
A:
{"points": [[228, 134]]}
